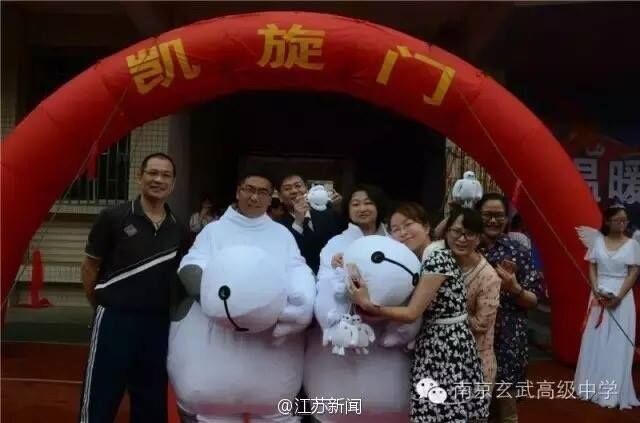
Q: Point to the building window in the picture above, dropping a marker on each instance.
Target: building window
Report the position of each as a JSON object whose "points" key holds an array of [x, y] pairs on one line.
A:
{"points": [[111, 184], [51, 68]]}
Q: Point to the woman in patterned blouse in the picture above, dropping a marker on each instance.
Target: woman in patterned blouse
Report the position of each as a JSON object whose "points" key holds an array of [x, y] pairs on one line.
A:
{"points": [[519, 292], [482, 283], [409, 225]]}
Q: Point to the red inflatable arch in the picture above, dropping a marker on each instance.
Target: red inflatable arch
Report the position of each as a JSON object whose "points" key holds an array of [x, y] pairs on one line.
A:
{"points": [[305, 52]]}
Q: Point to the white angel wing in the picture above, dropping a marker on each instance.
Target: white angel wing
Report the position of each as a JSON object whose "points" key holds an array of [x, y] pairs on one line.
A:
{"points": [[587, 235], [636, 235]]}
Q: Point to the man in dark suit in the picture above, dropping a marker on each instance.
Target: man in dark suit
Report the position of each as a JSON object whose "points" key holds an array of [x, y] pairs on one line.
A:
{"points": [[310, 228]]}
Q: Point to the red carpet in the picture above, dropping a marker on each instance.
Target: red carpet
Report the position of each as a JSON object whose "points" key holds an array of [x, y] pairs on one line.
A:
{"points": [[42, 383]]}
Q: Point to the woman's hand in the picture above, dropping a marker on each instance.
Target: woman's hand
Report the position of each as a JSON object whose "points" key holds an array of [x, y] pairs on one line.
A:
{"points": [[359, 293], [611, 302], [509, 281], [600, 297], [336, 261]]}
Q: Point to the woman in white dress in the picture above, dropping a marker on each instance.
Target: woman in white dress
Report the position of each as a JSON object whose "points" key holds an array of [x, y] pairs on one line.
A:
{"points": [[603, 373]]}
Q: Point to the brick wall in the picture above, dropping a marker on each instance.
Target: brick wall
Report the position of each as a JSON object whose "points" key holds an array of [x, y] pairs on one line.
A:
{"points": [[149, 138]]}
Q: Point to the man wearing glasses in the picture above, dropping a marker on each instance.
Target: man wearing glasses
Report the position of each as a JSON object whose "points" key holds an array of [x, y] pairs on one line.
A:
{"points": [[220, 368], [129, 276]]}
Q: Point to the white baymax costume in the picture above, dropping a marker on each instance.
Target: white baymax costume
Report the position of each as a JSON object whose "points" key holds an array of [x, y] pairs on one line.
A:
{"points": [[378, 377], [240, 350]]}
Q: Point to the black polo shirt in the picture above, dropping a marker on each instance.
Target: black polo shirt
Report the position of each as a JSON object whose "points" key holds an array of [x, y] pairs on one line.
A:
{"points": [[139, 262]]}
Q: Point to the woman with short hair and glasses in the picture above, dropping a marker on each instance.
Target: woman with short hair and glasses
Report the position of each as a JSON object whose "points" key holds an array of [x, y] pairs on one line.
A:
{"points": [[482, 283], [446, 373], [521, 286], [606, 355], [410, 226]]}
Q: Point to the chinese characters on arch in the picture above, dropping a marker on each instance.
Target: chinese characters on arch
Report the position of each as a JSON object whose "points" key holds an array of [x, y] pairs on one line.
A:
{"points": [[296, 46], [154, 66], [288, 48], [446, 76], [293, 47]]}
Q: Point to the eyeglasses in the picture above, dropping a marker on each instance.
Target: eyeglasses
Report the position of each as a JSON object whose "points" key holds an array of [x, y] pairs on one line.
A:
{"points": [[153, 174], [250, 191], [487, 216], [456, 233], [619, 221], [403, 227]]}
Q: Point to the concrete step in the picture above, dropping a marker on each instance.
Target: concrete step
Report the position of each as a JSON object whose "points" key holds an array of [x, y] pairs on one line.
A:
{"points": [[51, 324], [60, 236], [58, 294], [54, 272], [66, 243], [61, 243], [61, 240], [65, 227], [64, 256], [49, 251], [57, 314]]}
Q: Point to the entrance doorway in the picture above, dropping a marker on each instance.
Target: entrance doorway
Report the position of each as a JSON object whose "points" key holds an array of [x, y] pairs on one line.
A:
{"points": [[327, 137]]}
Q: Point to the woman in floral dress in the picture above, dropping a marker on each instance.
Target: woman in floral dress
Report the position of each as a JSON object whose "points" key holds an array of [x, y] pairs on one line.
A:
{"points": [[445, 350], [520, 289]]}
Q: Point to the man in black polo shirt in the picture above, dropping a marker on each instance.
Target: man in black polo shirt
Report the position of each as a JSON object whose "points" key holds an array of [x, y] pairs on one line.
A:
{"points": [[129, 275]]}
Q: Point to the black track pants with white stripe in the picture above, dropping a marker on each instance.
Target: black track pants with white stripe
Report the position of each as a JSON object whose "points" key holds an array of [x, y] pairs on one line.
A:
{"points": [[128, 351]]}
